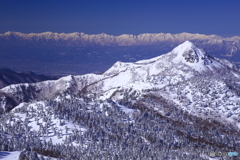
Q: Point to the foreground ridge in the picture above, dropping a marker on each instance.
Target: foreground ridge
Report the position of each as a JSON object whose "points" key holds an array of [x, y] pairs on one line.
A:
{"points": [[181, 103]]}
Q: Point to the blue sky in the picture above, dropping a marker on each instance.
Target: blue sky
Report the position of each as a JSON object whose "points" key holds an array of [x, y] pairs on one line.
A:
{"points": [[115, 17]]}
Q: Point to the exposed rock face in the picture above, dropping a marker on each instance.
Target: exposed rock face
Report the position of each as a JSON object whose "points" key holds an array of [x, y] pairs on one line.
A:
{"points": [[191, 56]]}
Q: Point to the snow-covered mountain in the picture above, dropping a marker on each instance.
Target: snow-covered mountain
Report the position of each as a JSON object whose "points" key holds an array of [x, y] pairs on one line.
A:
{"points": [[194, 93], [178, 67]]}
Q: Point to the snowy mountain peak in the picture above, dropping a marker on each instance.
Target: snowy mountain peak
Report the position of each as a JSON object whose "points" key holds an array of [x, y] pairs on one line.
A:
{"points": [[187, 44], [193, 56], [184, 56], [189, 52]]}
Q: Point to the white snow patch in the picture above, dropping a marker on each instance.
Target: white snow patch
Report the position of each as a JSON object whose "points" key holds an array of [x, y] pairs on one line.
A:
{"points": [[238, 125], [9, 155], [127, 110]]}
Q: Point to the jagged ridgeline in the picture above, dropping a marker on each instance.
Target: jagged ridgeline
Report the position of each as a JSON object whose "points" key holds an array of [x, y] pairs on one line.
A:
{"points": [[180, 105]]}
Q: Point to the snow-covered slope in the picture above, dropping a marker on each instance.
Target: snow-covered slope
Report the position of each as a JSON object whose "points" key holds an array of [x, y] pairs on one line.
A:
{"points": [[185, 88], [9, 155], [15, 156]]}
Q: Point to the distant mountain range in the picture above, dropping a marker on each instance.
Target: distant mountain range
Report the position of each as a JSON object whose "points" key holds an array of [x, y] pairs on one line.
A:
{"points": [[8, 77], [82, 39], [80, 53]]}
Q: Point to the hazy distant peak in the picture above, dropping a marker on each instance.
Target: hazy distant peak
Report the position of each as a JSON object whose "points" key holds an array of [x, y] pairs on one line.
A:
{"points": [[6, 70]]}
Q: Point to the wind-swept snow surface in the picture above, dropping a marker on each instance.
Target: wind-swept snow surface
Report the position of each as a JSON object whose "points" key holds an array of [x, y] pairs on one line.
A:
{"points": [[9, 155]]}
